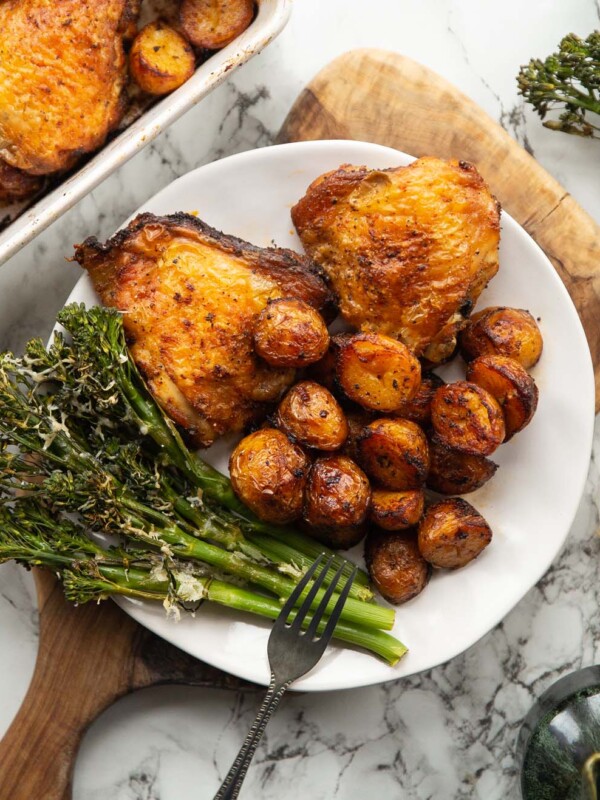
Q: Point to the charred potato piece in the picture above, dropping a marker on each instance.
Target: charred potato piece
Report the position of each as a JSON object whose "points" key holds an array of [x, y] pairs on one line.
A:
{"points": [[312, 416], [357, 421], [451, 472], [452, 533], [336, 501], [511, 385], [501, 331], [323, 371], [376, 371], [394, 452], [467, 418], [395, 511], [269, 474], [160, 59], [395, 565], [419, 408], [290, 333], [212, 24]]}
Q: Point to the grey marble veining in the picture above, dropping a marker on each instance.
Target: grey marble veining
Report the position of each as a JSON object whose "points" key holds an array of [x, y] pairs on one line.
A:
{"points": [[447, 733]]}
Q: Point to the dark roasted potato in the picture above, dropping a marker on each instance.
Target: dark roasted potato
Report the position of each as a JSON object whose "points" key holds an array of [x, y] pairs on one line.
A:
{"points": [[312, 416], [336, 501], [419, 408], [290, 333], [394, 452], [452, 533], [395, 565], [395, 511], [467, 418], [501, 331], [376, 371], [16, 184], [451, 472], [268, 474], [357, 421], [160, 59], [323, 371], [212, 24], [511, 385]]}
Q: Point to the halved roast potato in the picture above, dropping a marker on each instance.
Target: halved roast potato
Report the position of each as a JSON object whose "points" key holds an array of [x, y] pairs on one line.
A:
{"points": [[336, 501], [467, 418], [452, 533], [451, 472], [395, 565], [511, 385], [160, 59], [290, 333], [394, 452], [268, 474], [396, 511], [212, 24], [375, 371], [502, 331], [311, 416]]}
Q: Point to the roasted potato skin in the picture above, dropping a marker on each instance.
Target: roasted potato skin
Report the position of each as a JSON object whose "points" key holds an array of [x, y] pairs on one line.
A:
{"points": [[502, 331], [419, 408], [451, 472], [467, 418], [160, 59], [290, 333], [311, 416], [396, 565], [511, 385], [452, 533], [396, 511], [213, 24], [336, 501], [394, 453], [357, 422], [269, 474], [375, 371]]}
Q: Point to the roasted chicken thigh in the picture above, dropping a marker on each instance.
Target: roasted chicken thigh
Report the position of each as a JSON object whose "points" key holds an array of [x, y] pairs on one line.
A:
{"points": [[190, 296], [407, 250]]}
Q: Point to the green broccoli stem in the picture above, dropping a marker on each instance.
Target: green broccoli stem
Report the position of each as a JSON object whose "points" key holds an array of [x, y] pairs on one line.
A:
{"points": [[137, 583]]}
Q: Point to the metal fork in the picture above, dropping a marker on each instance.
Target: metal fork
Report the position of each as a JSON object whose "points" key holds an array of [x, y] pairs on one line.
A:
{"points": [[292, 653]]}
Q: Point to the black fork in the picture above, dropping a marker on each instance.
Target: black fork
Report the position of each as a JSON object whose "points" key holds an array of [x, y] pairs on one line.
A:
{"points": [[292, 653]]}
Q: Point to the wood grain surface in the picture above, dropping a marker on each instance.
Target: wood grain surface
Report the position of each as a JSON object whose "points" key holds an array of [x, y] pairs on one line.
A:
{"points": [[382, 97], [90, 656]]}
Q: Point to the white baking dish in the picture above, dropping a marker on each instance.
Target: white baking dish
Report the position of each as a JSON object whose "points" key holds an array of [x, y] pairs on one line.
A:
{"points": [[271, 17]]}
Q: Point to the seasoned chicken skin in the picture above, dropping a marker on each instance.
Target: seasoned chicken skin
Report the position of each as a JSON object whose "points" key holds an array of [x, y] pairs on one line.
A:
{"points": [[62, 74], [408, 250], [190, 296]]}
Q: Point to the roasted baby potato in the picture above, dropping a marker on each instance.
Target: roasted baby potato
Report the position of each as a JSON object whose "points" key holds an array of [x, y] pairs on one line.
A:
{"points": [[451, 472], [467, 418], [502, 331], [160, 59], [395, 565], [336, 501], [323, 371], [290, 333], [395, 511], [212, 24], [394, 452], [452, 533], [268, 474], [311, 416], [511, 385], [376, 371], [419, 408], [357, 421], [17, 185]]}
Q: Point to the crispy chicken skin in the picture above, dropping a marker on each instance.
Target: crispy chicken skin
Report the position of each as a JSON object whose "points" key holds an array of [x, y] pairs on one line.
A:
{"points": [[190, 296], [62, 74], [408, 250]]}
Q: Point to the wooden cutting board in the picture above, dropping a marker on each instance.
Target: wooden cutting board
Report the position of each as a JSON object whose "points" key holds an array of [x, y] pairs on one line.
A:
{"points": [[90, 656], [382, 97]]}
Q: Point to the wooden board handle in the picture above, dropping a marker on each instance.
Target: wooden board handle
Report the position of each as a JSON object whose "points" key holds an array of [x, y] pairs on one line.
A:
{"points": [[88, 657], [382, 97]]}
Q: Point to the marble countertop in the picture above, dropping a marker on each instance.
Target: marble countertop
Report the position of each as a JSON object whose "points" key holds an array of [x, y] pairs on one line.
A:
{"points": [[447, 733]]}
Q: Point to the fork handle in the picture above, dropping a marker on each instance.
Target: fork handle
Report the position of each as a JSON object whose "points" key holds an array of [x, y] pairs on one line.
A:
{"points": [[232, 784]]}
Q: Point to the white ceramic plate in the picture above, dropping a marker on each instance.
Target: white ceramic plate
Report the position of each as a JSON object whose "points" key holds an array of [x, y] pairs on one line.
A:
{"points": [[530, 503]]}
